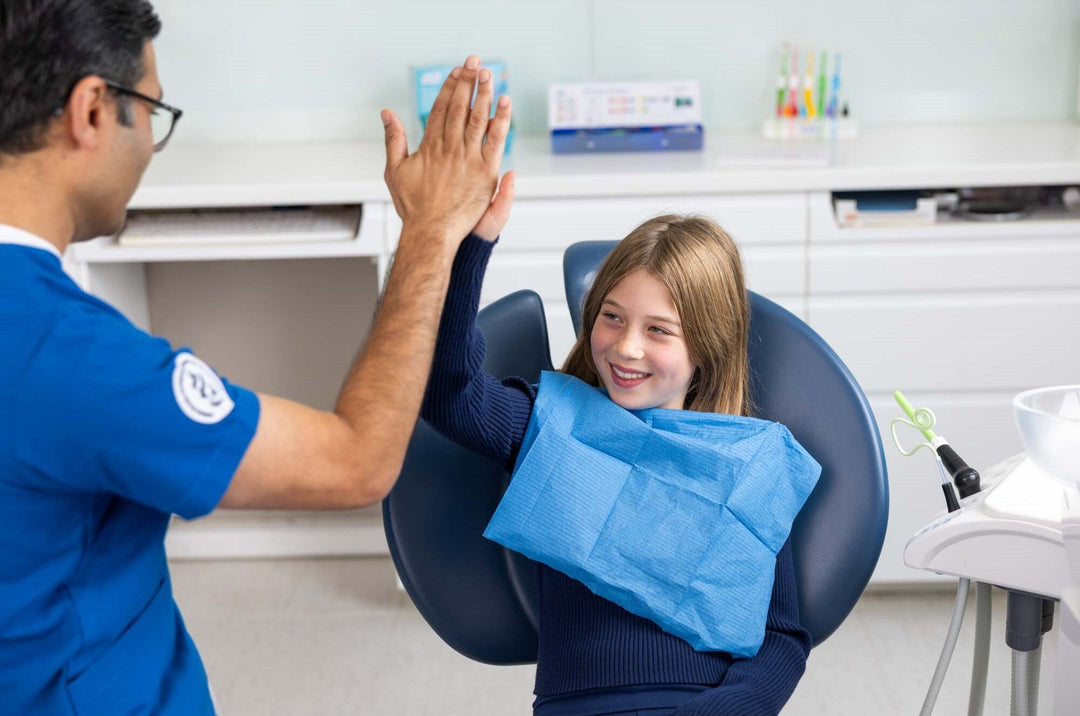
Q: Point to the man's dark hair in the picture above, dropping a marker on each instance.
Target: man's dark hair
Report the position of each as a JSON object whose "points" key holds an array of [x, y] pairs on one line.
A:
{"points": [[47, 46]]}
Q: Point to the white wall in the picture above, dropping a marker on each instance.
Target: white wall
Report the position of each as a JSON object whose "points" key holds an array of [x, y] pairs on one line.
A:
{"points": [[321, 69]]}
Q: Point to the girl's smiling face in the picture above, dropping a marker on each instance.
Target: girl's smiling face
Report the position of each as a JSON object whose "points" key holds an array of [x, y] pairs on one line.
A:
{"points": [[638, 347]]}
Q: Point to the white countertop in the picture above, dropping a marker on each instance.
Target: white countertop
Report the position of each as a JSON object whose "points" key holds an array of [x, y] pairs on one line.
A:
{"points": [[922, 156]]}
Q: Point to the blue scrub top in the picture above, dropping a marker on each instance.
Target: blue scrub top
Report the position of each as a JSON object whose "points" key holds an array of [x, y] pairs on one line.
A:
{"points": [[105, 431]]}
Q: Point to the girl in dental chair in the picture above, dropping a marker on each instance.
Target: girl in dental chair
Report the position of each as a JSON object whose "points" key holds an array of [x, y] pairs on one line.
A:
{"points": [[663, 326]]}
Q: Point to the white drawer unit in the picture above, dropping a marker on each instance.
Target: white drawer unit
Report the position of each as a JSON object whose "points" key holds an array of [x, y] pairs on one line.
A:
{"points": [[778, 272], [973, 267], [960, 316], [995, 342], [749, 218], [539, 271]]}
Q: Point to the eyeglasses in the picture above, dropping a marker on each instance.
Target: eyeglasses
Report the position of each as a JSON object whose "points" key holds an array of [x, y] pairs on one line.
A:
{"points": [[163, 117]]}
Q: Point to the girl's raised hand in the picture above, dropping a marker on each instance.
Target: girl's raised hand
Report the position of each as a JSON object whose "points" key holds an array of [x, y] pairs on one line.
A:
{"points": [[494, 219]]}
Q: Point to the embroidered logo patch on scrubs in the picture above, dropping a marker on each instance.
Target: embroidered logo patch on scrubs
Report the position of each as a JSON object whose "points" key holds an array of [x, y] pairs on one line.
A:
{"points": [[199, 391]]}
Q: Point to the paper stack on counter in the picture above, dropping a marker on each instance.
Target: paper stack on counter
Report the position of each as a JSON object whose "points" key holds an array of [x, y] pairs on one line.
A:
{"points": [[860, 209]]}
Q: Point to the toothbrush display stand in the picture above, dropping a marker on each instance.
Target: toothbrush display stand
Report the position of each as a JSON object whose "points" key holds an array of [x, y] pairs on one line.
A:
{"points": [[812, 129]]}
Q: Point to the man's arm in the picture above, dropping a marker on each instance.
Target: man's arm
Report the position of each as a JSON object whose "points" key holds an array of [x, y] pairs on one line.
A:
{"points": [[301, 458]]}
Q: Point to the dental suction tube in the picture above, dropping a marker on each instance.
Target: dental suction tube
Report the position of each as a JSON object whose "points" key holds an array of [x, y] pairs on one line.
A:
{"points": [[965, 477]]}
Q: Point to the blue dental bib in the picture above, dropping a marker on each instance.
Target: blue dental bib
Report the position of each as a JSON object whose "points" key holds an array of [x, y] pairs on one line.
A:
{"points": [[674, 515]]}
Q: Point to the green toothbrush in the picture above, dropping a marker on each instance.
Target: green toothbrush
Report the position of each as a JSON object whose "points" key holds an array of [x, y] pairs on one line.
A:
{"points": [[821, 85]]}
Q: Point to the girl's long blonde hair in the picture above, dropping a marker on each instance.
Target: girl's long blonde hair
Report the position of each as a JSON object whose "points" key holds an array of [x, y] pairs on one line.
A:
{"points": [[699, 264]]}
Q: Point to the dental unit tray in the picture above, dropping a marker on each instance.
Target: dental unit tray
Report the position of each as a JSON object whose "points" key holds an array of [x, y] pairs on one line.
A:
{"points": [[1009, 535]]}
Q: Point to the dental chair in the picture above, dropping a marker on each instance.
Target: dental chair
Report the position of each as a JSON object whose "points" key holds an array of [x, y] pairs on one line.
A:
{"points": [[480, 598]]}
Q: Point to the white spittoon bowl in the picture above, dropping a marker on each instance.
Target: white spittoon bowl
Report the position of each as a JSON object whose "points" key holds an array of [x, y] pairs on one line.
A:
{"points": [[1049, 423]]}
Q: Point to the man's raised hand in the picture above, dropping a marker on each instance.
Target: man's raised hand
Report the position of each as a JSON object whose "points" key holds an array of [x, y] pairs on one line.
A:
{"points": [[448, 183]]}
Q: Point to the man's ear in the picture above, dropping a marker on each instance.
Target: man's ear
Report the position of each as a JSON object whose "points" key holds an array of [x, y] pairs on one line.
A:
{"points": [[87, 111]]}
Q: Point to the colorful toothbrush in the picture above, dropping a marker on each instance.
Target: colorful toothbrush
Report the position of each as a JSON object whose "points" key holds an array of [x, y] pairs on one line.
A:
{"points": [[781, 81], [821, 84], [835, 99], [792, 108]]}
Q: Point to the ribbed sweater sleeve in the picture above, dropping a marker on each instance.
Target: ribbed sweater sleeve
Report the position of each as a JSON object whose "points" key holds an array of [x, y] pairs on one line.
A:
{"points": [[762, 684], [463, 402]]}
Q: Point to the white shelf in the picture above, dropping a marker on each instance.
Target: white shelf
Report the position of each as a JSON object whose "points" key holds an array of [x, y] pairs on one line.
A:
{"points": [[212, 175], [914, 156], [105, 250]]}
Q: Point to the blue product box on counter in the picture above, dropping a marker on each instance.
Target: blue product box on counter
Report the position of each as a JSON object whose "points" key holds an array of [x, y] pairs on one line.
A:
{"points": [[634, 139], [625, 116], [428, 80]]}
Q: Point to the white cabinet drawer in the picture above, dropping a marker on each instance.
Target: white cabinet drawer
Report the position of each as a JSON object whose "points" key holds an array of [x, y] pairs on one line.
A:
{"points": [[1026, 263], [776, 272], [824, 229], [918, 342], [749, 218], [508, 272], [794, 304], [560, 329]]}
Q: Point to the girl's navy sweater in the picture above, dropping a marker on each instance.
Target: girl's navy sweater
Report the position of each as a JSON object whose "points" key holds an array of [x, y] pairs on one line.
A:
{"points": [[587, 642]]}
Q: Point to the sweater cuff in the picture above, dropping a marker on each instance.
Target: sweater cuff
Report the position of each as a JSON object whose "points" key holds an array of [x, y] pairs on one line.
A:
{"points": [[472, 238], [472, 257]]}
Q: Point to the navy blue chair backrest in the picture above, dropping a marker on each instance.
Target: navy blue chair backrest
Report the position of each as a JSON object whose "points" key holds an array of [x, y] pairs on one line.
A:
{"points": [[476, 595], [799, 381], [481, 598]]}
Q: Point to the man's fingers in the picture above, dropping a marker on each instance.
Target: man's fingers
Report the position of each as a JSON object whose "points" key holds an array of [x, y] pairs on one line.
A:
{"points": [[436, 121], [481, 111], [457, 112], [498, 128], [397, 146]]}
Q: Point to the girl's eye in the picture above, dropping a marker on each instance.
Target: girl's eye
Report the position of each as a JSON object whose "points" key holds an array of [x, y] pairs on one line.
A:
{"points": [[660, 331], [610, 316]]}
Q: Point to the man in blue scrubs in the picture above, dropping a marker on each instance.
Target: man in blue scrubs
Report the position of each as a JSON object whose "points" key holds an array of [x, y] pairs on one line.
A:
{"points": [[106, 431]]}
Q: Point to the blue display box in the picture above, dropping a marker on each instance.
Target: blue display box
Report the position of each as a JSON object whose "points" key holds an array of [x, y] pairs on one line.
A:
{"points": [[637, 139], [428, 80]]}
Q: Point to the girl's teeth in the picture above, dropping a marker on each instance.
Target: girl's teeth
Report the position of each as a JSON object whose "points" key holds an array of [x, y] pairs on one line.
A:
{"points": [[628, 376]]}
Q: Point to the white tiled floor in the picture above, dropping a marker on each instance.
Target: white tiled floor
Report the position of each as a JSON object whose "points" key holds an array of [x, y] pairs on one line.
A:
{"points": [[334, 636]]}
